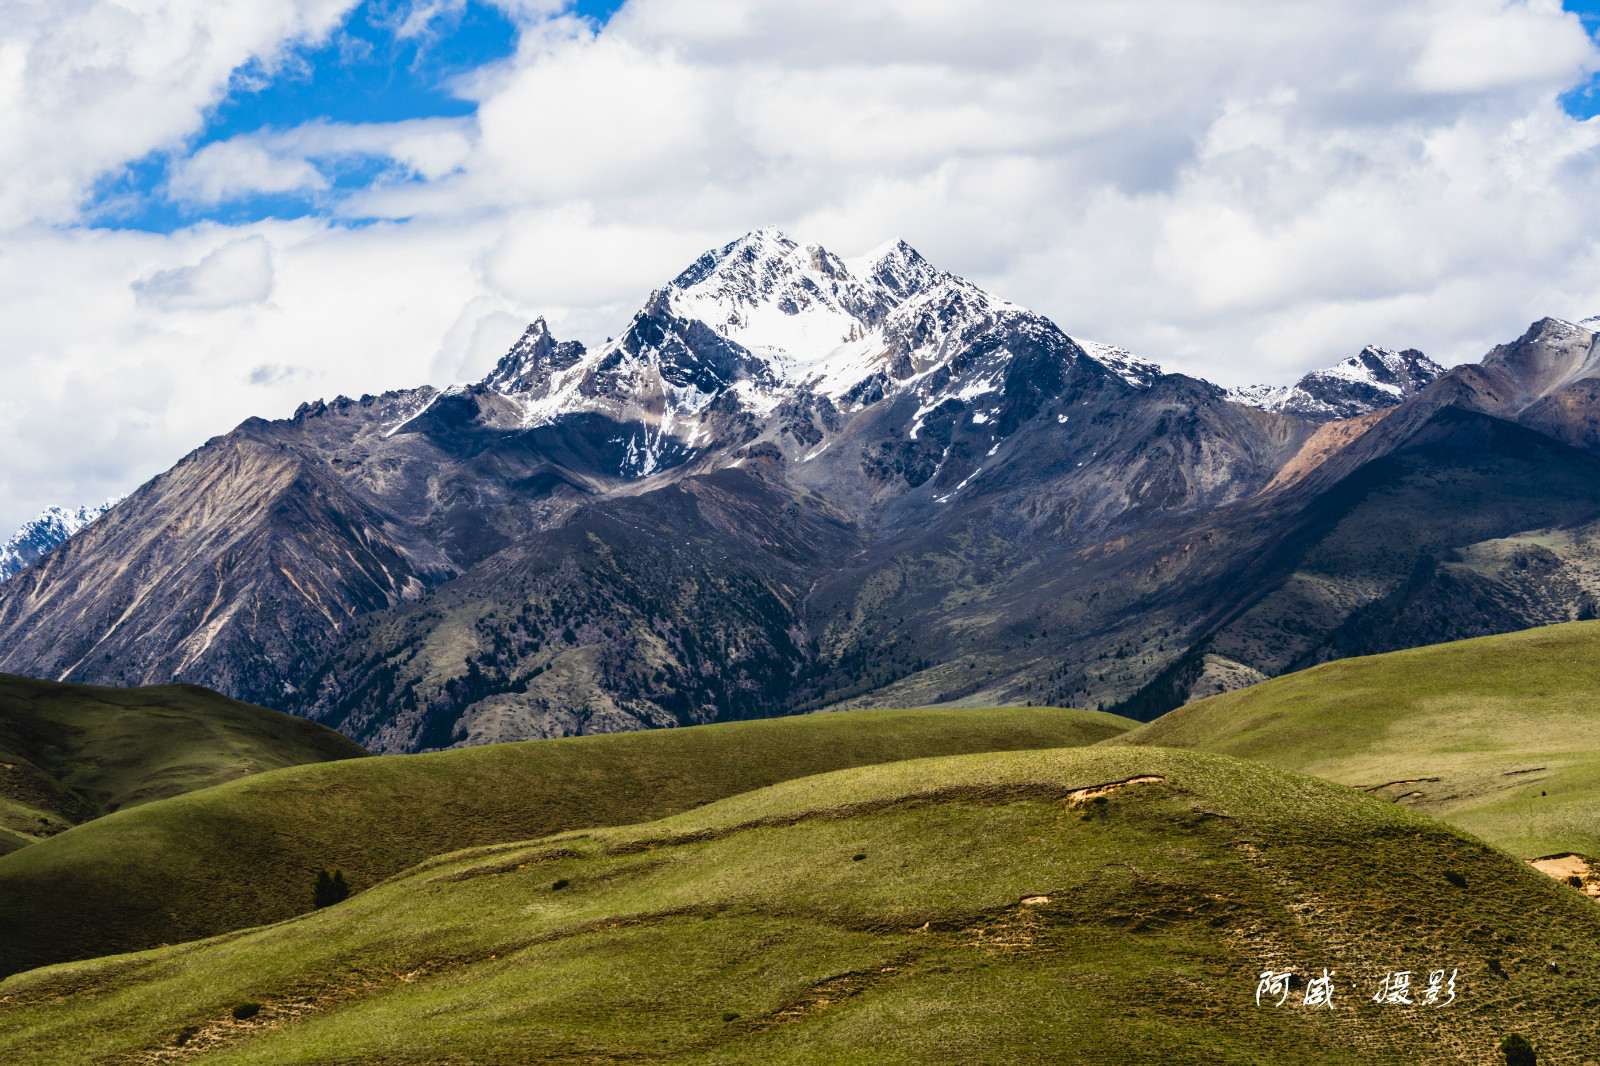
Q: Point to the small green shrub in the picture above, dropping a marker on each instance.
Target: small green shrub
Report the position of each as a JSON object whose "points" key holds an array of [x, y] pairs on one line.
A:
{"points": [[1455, 879], [559, 885], [246, 1010], [1518, 1051], [858, 858], [730, 1016]]}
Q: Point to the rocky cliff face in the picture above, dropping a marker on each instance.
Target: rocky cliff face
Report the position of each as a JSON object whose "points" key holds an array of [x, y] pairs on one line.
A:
{"points": [[797, 480]]}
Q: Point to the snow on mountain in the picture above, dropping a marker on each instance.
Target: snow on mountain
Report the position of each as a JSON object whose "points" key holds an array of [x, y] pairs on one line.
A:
{"points": [[1592, 323], [46, 532], [1126, 365], [1370, 380], [767, 314], [767, 328]]}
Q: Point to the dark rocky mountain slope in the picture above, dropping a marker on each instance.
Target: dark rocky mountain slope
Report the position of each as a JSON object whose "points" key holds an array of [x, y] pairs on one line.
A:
{"points": [[798, 481]]}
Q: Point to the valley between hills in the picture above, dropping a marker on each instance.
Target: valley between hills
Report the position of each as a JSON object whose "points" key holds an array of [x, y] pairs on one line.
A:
{"points": [[841, 665]]}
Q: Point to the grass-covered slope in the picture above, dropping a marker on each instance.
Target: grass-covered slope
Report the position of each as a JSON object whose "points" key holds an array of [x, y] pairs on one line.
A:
{"points": [[1000, 908], [247, 852], [1499, 735], [69, 753]]}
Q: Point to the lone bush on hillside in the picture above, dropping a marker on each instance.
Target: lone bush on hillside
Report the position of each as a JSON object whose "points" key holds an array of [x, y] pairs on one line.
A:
{"points": [[1518, 1051], [246, 1010], [330, 889], [1456, 879]]}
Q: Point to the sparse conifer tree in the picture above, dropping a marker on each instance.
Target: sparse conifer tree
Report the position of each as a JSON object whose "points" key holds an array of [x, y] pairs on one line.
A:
{"points": [[330, 889]]}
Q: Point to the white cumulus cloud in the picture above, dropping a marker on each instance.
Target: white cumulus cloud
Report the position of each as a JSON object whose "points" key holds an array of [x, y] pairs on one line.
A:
{"points": [[88, 86], [292, 161], [238, 273], [1242, 189], [241, 167]]}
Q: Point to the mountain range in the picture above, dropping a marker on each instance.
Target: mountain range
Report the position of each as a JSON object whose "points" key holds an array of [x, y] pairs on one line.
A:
{"points": [[797, 481]]}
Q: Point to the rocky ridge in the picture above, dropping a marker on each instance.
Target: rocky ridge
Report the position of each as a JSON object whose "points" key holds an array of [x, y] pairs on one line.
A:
{"points": [[1370, 380]]}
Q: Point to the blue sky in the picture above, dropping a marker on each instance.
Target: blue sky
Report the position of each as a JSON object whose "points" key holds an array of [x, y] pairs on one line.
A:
{"points": [[367, 71], [1584, 102]]}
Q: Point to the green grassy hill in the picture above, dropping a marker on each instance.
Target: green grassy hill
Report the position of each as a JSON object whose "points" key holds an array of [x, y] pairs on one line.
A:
{"points": [[70, 753], [1101, 905], [1498, 735], [246, 852]]}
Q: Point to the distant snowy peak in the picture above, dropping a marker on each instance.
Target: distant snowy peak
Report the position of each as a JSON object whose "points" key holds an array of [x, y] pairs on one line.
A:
{"points": [[46, 532], [1370, 380], [1592, 324], [1140, 373]]}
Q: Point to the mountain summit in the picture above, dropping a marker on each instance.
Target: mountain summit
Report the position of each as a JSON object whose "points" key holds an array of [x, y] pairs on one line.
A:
{"points": [[765, 329]]}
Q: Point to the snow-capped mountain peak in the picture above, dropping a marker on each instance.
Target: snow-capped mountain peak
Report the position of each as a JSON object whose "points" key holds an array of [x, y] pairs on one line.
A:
{"points": [[897, 267], [768, 329], [1372, 379], [769, 311], [815, 317], [1385, 368], [53, 527]]}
